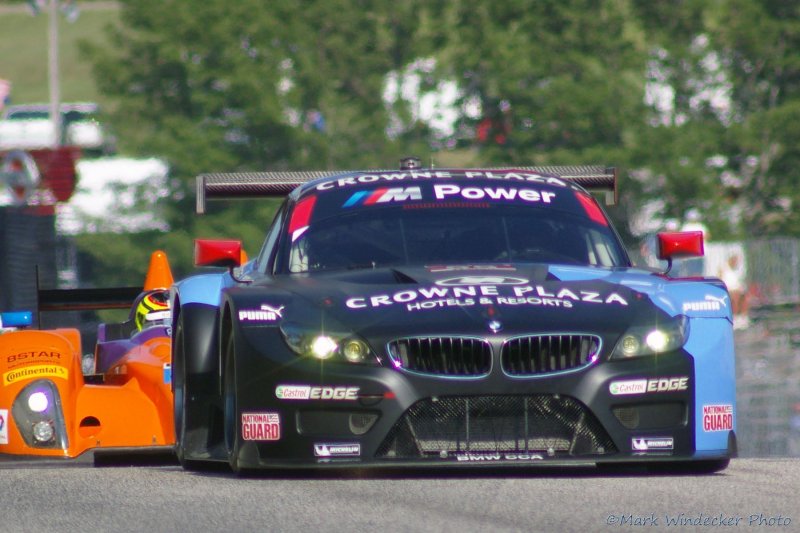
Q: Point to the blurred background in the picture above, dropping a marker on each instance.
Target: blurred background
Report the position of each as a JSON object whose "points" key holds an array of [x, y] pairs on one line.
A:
{"points": [[697, 102]]}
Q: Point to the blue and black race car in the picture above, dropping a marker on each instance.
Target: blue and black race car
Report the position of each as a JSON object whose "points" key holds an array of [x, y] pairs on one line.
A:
{"points": [[486, 316]]}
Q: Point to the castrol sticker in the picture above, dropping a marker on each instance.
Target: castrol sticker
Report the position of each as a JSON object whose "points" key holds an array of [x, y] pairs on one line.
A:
{"points": [[261, 426]]}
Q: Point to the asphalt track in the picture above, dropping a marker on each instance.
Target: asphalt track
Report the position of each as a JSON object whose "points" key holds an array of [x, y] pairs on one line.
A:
{"points": [[751, 495]]}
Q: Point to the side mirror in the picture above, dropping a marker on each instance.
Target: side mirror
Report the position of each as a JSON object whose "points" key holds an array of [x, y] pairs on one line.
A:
{"points": [[678, 244], [219, 253]]}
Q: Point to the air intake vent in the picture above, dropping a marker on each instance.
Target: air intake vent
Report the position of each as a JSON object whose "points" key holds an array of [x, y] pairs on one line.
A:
{"points": [[545, 354], [443, 356], [553, 425]]}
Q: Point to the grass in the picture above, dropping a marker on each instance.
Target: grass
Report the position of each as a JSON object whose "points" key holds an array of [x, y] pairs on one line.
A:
{"points": [[24, 49]]}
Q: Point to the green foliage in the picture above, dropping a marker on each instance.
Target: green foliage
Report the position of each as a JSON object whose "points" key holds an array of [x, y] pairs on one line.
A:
{"points": [[564, 77], [220, 86], [760, 42], [696, 101], [736, 157]]}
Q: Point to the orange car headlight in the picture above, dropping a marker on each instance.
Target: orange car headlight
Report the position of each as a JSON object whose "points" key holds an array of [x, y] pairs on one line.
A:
{"points": [[39, 417]]}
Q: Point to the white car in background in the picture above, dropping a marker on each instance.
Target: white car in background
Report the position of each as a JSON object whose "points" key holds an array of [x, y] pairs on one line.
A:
{"points": [[28, 126]]}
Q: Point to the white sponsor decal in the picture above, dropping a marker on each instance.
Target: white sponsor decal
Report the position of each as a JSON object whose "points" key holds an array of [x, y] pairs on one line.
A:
{"points": [[711, 303], [638, 386], [480, 281], [470, 295], [261, 426], [267, 313], [337, 450], [641, 386], [3, 426], [439, 174], [499, 457], [293, 392], [399, 194], [307, 392], [668, 384], [644, 444], [447, 191], [718, 417]]}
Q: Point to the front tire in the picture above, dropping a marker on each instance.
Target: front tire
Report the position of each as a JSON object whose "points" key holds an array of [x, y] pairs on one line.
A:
{"points": [[179, 395], [230, 408], [182, 389]]}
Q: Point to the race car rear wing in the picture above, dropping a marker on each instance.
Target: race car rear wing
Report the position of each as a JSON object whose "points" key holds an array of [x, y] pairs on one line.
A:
{"points": [[83, 299], [224, 186], [87, 299], [159, 277]]}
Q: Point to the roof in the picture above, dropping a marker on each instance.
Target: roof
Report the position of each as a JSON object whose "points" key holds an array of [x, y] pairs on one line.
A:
{"points": [[281, 183]]}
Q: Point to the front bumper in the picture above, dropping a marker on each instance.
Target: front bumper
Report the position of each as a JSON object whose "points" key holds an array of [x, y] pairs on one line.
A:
{"points": [[342, 414]]}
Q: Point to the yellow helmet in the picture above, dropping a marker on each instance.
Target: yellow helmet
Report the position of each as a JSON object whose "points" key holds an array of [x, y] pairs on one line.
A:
{"points": [[152, 310]]}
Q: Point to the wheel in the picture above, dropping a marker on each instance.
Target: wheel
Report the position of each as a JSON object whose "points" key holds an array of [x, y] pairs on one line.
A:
{"points": [[231, 414], [197, 403], [179, 394], [181, 391]]}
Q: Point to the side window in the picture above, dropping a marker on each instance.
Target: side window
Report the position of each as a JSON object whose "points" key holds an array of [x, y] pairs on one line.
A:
{"points": [[601, 251], [271, 241]]}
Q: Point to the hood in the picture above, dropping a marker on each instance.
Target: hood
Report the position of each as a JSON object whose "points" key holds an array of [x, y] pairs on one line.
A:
{"points": [[470, 299]]}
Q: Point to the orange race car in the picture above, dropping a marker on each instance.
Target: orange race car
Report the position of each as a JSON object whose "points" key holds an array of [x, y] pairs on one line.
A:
{"points": [[57, 402]]}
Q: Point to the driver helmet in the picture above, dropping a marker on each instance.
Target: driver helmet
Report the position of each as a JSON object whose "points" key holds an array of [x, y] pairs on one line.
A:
{"points": [[153, 310]]}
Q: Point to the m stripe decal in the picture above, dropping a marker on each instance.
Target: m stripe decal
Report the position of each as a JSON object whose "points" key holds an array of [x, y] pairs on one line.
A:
{"points": [[355, 199], [375, 196]]}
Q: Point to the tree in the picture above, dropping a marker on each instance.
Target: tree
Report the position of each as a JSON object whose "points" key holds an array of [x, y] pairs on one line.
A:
{"points": [[759, 42], [247, 85], [725, 139], [694, 100], [557, 82]]}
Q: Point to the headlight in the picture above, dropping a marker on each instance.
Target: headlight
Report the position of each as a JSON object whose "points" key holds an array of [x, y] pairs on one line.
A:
{"points": [[650, 340], [323, 347], [355, 350], [327, 345], [38, 402], [38, 415]]}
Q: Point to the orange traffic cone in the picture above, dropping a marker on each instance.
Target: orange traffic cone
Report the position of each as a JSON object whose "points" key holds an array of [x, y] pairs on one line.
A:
{"points": [[159, 275]]}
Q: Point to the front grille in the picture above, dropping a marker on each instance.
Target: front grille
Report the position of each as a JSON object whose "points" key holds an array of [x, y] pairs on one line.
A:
{"points": [[553, 424], [444, 356], [543, 354]]}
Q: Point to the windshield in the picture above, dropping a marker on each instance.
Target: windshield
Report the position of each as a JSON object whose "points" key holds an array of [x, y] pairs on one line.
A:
{"points": [[408, 233]]}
